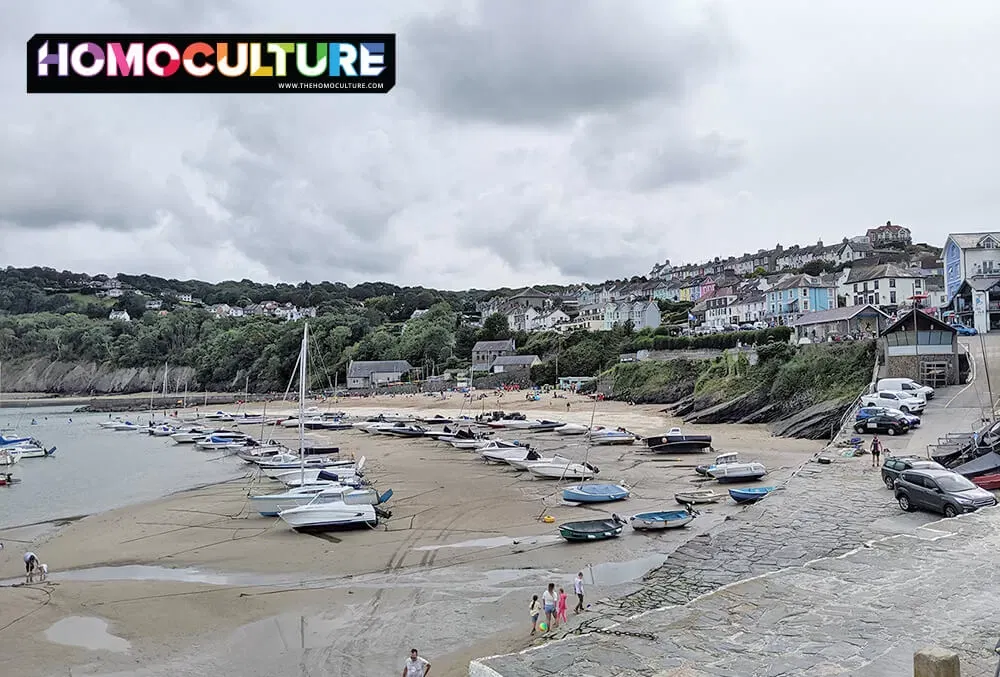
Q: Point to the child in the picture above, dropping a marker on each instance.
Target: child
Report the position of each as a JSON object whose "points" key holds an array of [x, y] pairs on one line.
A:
{"points": [[535, 610], [561, 607]]}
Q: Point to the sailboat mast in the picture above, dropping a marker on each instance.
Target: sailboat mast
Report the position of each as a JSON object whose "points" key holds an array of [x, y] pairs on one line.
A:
{"points": [[302, 403]]}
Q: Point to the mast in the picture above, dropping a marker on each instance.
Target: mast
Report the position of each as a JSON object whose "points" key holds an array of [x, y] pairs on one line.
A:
{"points": [[302, 403]]}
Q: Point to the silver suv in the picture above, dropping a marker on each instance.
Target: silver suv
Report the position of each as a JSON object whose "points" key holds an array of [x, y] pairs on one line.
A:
{"points": [[941, 491]]}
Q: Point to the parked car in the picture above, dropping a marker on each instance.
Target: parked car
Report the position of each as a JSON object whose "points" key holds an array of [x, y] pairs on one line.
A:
{"points": [[894, 399], [882, 423], [906, 385], [940, 491], [892, 466], [864, 412], [964, 330]]}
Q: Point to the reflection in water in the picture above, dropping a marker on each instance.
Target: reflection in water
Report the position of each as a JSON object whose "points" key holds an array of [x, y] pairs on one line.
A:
{"points": [[87, 632]]}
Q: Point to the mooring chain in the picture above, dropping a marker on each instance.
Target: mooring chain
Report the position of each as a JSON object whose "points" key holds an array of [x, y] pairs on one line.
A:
{"points": [[621, 633]]}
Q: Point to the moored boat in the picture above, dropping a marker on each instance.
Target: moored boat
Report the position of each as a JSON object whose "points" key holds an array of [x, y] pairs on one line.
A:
{"points": [[343, 508], [990, 482], [720, 460], [571, 429], [592, 530], [607, 436], [664, 519], [595, 493], [271, 504], [750, 494], [500, 455], [739, 472], [697, 496], [6, 479], [562, 470], [674, 441]]}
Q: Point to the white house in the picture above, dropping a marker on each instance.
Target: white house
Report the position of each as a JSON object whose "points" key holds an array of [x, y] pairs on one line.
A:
{"points": [[643, 314], [548, 320], [882, 286], [748, 307], [154, 304], [852, 250], [522, 318], [590, 318], [119, 316], [718, 310], [186, 298]]}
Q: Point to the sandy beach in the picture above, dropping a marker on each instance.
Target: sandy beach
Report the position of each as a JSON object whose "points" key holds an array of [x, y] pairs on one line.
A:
{"points": [[210, 587]]}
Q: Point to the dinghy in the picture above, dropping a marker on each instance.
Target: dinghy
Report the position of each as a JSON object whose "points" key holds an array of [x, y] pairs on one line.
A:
{"points": [[750, 494], [697, 496], [571, 429], [739, 472], [666, 519], [592, 530], [595, 493], [674, 441]]}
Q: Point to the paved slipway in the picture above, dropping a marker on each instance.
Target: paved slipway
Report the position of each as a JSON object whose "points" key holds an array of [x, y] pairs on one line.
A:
{"points": [[825, 577]]}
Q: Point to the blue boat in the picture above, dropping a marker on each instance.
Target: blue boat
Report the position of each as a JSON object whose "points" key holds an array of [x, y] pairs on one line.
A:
{"points": [[664, 519], [595, 493], [750, 494]]}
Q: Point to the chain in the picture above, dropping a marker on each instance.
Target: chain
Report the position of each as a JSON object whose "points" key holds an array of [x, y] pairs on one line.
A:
{"points": [[625, 633]]}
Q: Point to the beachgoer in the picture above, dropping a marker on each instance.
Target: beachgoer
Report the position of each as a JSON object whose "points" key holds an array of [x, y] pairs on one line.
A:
{"points": [[534, 610], [567, 406], [30, 564], [416, 666], [876, 451], [578, 589], [549, 603], [561, 606]]}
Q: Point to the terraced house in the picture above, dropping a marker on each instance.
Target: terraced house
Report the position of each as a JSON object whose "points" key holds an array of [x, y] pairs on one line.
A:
{"points": [[886, 287], [800, 294]]}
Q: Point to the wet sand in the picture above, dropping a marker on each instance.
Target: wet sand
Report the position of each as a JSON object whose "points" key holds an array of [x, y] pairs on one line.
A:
{"points": [[227, 592]]}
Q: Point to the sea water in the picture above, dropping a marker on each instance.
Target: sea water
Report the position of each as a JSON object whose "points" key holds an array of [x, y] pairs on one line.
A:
{"points": [[96, 469]]}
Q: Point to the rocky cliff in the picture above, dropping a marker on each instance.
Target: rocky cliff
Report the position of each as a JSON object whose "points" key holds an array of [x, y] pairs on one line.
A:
{"points": [[84, 378]]}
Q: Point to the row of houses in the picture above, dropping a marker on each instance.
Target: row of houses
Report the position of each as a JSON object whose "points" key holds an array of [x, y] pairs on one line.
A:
{"points": [[579, 307]]}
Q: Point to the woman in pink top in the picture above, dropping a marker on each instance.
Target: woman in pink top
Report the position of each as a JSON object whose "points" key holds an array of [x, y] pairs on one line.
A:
{"points": [[561, 606]]}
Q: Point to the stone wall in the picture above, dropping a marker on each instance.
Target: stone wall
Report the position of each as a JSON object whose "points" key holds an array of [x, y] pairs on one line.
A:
{"points": [[521, 377], [908, 366]]}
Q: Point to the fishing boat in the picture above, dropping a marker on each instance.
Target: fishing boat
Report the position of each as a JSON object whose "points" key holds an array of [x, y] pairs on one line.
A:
{"points": [[595, 493], [674, 441], [720, 460], [607, 436], [663, 519], [271, 504], [346, 507], [592, 530], [562, 470], [501, 455], [571, 429], [697, 496], [750, 494], [739, 472]]}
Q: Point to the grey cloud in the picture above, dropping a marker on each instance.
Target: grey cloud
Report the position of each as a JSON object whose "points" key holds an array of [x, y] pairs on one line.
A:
{"points": [[547, 62]]}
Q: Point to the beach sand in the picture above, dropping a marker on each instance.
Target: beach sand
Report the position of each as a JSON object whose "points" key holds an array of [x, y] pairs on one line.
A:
{"points": [[228, 592]]}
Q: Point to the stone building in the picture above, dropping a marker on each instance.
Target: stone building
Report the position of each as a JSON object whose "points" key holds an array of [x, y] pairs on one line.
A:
{"points": [[921, 347]]}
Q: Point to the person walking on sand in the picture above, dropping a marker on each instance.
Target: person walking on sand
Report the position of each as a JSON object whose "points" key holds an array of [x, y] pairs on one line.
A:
{"points": [[549, 603], [534, 610], [561, 607], [578, 589], [416, 665], [876, 451]]}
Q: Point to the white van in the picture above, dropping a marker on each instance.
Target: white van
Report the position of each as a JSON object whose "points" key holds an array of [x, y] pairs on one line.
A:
{"points": [[906, 385]]}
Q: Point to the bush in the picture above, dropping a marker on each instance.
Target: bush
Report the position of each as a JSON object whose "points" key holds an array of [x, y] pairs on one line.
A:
{"points": [[724, 341]]}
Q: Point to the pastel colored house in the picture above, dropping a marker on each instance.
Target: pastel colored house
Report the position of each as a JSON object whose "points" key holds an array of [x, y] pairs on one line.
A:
{"points": [[799, 294]]}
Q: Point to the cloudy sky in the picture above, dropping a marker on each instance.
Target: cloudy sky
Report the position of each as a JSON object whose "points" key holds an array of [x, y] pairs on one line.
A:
{"points": [[525, 142]]}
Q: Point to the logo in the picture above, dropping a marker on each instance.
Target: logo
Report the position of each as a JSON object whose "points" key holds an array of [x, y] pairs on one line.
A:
{"points": [[218, 64]]}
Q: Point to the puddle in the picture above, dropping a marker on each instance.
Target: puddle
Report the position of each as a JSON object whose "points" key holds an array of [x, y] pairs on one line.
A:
{"points": [[87, 632], [617, 573], [496, 542]]}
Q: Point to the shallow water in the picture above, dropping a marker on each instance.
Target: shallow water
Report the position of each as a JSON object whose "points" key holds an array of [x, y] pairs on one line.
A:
{"points": [[87, 632], [618, 573], [94, 469], [494, 542]]}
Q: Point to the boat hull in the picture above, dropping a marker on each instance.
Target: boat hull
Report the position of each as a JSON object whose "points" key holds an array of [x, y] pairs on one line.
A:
{"points": [[306, 519], [654, 521], [749, 495], [271, 505], [678, 446], [601, 493], [593, 530], [696, 497]]}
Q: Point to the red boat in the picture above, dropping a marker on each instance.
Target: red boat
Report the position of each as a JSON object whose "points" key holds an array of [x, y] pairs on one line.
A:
{"points": [[987, 481]]}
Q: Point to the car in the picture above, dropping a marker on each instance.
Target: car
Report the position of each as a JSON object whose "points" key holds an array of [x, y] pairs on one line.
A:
{"points": [[882, 423], [940, 491], [864, 412], [892, 466], [894, 399], [964, 330], [906, 385]]}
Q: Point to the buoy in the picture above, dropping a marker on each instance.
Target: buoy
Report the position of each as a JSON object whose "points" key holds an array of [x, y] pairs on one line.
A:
{"points": [[548, 519]]}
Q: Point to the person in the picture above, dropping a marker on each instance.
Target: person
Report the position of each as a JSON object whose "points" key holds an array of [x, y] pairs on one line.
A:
{"points": [[567, 406], [416, 665], [578, 589], [876, 451], [534, 610], [30, 564], [549, 603], [561, 606]]}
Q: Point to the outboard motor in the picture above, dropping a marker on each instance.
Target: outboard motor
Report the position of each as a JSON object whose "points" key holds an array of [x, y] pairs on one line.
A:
{"points": [[592, 467], [532, 455]]}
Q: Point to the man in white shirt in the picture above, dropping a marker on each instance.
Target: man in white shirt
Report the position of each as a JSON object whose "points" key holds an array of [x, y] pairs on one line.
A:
{"points": [[30, 563], [578, 589], [416, 666]]}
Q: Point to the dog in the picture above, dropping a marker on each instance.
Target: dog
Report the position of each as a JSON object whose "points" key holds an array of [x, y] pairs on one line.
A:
{"points": [[43, 572], [39, 573]]}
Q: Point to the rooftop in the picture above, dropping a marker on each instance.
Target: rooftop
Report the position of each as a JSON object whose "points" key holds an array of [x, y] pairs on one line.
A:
{"points": [[835, 315], [363, 368], [886, 270], [487, 346], [513, 360], [972, 240]]}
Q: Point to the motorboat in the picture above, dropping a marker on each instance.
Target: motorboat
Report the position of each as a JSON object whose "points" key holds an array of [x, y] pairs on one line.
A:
{"points": [[721, 459], [666, 519], [523, 465], [674, 441], [9, 457], [219, 416], [6, 479], [592, 530], [253, 454], [496, 445], [437, 419], [750, 494], [697, 496], [738, 472], [217, 442], [543, 425], [475, 443], [110, 423], [559, 470], [595, 493], [571, 429], [339, 473], [271, 504], [162, 430], [510, 454], [608, 436], [291, 463], [191, 435], [398, 418], [31, 450], [348, 507], [404, 430], [124, 426], [336, 424], [11, 441]]}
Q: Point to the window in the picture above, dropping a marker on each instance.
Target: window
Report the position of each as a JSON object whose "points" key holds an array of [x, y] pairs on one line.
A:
{"points": [[805, 293], [892, 282], [878, 299], [917, 283], [876, 285], [866, 286], [857, 287], [887, 396], [892, 297], [805, 304]]}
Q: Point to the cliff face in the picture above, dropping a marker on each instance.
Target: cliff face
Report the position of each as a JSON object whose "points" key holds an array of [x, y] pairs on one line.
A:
{"points": [[83, 378]]}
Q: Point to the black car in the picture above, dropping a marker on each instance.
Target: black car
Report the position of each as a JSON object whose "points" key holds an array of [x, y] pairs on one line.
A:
{"points": [[893, 465], [941, 491], [882, 423]]}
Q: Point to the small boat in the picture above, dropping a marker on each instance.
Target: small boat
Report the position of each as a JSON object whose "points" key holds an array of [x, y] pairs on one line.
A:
{"points": [[342, 474], [347, 507], [9, 457], [523, 465], [990, 482], [219, 416], [676, 442], [592, 530], [697, 496], [606, 436], [404, 430], [249, 419], [720, 460], [595, 493], [666, 519], [337, 424], [162, 430], [469, 444], [509, 455], [6, 479], [217, 442], [437, 419], [562, 470], [739, 472], [279, 469], [33, 451], [110, 423], [191, 435], [9, 441], [750, 494], [272, 504], [571, 429], [123, 426], [544, 425]]}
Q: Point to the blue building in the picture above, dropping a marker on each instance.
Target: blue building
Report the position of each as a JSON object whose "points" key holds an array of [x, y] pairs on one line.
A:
{"points": [[799, 294]]}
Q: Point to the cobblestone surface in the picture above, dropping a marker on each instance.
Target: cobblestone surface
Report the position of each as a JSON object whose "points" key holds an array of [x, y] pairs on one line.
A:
{"points": [[825, 577]]}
